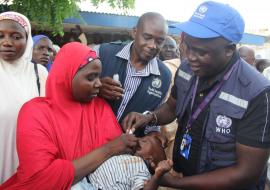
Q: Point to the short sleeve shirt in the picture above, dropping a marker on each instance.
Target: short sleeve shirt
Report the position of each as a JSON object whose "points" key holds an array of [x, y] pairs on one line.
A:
{"points": [[121, 172]]}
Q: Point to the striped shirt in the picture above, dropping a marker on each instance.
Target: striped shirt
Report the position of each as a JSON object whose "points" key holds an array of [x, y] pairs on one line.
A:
{"points": [[123, 172], [133, 77]]}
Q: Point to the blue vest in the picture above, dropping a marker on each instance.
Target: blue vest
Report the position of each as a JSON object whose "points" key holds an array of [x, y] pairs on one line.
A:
{"points": [[218, 144], [148, 96]]}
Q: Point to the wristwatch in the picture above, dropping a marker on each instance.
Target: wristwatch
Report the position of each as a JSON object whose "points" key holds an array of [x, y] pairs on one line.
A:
{"points": [[154, 117]]}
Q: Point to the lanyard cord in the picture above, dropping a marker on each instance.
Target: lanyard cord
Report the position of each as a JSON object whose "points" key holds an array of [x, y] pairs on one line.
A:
{"points": [[193, 116]]}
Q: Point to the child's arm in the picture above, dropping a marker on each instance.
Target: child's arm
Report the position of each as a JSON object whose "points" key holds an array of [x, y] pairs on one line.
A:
{"points": [[162, 168]]}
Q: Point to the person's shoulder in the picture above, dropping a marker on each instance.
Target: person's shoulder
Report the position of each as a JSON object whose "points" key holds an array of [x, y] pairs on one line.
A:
{"points": [[42, 72], [113, 44], [34, 104], [250, 82], [184, 63], [119, 42], [184, 66], [161, 65], [107, 49], [42, 69], [264, 92], [34, 115], [248, 74], [36, 107], [164, 70], [266, 73], [172, 62]]}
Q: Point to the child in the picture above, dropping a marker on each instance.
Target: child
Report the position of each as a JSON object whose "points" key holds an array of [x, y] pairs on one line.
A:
{"points": [[132, 172]]}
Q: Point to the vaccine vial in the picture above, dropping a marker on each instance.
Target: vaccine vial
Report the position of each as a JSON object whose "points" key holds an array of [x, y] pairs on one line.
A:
{"points": [[116, 77]]}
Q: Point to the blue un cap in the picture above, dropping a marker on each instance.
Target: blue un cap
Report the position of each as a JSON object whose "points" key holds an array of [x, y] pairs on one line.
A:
{"points": [[212, 19]]}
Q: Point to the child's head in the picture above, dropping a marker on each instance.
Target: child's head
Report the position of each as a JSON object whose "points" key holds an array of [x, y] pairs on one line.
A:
{"points": [[150, 149]]}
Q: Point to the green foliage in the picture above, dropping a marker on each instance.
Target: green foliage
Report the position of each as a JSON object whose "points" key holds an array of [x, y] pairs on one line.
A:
{"points": [[49, 14], [123, 4]]}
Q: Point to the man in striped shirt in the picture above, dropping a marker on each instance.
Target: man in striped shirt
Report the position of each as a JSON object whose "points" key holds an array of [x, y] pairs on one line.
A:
{"points": [[142, 80]]}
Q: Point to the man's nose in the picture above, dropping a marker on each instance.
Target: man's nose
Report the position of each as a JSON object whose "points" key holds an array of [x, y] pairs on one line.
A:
{"points": [[152, 44]]}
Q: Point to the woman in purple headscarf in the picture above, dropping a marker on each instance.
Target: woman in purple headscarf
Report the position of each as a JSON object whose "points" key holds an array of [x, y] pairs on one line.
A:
{"points": [[42, 50]]}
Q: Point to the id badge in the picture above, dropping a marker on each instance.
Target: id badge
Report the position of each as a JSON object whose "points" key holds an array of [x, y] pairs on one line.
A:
{"points": [[185, 146]]}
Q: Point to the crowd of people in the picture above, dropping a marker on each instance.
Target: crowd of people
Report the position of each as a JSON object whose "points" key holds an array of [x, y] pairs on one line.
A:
{"points": [[152, 113]]}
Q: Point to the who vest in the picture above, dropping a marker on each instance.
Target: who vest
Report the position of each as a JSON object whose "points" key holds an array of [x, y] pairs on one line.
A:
{"points": [[229, 104]]}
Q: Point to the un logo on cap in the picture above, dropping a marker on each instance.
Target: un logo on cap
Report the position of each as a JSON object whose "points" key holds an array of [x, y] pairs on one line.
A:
{"points": [[202, 9], [156, 83]]}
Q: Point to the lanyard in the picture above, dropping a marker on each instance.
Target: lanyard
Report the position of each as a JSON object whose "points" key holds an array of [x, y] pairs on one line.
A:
{"points": [[207, 99]]}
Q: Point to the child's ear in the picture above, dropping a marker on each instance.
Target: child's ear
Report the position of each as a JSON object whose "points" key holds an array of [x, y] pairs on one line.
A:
{"points": [[151, 165]]}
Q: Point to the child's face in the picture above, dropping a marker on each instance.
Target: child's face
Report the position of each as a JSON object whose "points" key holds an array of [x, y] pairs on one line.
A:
{"points": [[150, 149]]}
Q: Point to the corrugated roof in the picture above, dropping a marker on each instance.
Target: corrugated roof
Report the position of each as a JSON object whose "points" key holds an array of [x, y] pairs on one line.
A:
{"points": [[110, 20], [110, 13], [127, 22]]}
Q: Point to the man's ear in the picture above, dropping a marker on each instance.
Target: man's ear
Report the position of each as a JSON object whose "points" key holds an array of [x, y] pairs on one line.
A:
{"points": [[133, 32], [230, 50]]}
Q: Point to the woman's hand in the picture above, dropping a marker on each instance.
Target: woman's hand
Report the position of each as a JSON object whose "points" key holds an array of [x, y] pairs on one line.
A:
{"points": [[126, 143]]}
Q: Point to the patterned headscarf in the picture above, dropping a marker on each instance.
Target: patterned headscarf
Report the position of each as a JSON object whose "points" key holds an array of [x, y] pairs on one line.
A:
{"points": [[21, 19], [24, 22]]}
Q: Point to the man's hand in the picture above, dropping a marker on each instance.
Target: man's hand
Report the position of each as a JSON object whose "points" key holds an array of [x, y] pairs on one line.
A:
{"points": [[110, 89], [134, 121]]}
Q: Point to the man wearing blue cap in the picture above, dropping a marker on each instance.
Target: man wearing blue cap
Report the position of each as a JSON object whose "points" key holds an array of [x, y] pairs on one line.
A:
{"points": [[222, 107]]}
